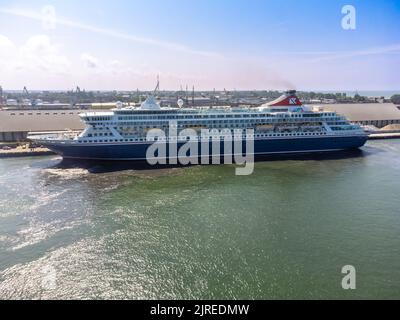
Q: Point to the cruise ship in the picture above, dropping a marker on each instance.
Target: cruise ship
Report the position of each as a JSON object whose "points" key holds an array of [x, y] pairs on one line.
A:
{"points": [[281, 126]]}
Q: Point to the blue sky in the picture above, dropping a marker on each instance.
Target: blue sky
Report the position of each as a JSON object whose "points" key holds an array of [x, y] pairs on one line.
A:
{"points": [[241, 44]]}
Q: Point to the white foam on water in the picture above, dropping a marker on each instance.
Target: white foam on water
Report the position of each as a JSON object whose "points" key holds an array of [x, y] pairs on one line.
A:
{"points": [[112, 187], [39, 231], [79, 269], [45, 197], [72, 173]]}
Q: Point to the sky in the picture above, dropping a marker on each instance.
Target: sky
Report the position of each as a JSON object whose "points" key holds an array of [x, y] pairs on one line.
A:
{"points": [[241, 44]]}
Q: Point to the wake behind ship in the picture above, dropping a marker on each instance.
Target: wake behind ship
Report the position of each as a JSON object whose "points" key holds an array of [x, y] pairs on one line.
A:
{"points": [[279, 127]]}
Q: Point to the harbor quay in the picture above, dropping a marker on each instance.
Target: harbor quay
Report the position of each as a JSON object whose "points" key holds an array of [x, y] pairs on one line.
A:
{"points": [[36, 113], [380, 120], [22, 151]]}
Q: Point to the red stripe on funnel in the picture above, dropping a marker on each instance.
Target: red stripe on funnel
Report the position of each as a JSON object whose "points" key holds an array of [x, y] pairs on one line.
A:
{"points": [[285, 100]]}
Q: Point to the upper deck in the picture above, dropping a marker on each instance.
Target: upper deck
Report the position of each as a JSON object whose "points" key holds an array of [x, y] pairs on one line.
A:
{"points": [[162, 114], [287, 104]]}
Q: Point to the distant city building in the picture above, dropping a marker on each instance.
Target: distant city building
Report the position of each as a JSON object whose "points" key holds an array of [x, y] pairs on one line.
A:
{"points": [[26, 102], [12, 102], [328, 100]]}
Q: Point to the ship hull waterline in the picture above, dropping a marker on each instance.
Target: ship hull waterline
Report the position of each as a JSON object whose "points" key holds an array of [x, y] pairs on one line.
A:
{"points": [[136, 151]]}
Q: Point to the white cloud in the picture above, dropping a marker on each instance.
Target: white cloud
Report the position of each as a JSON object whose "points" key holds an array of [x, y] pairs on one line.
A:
{"points": [[90, 61], [113, 33], [116, 64], [7, 49], [5, 42], [37, 54], [391, 49], [40, 53]]}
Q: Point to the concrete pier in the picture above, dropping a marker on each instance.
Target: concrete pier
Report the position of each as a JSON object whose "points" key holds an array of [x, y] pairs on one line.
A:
{"points": [[384, 135]]}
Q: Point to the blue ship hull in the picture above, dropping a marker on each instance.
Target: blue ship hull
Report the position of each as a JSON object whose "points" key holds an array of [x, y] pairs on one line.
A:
{"points": [[137, 151]]}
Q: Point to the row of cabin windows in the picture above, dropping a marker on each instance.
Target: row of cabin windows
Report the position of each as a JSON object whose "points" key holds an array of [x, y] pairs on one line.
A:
{"points": [[125, 118], [122, 118], [97, 118], [175, 117], [296, 119], [99, 134], [337, 123], [205, 122], [112, 140], [174, 138], [182, 125], [220, 117], [343, 128]]}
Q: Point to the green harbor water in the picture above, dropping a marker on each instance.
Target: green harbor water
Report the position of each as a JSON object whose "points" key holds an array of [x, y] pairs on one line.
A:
{"points": [[283, 232]]}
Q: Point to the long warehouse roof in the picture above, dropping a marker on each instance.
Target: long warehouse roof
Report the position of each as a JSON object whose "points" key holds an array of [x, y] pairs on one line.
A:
{"points": [[366, 111]]}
